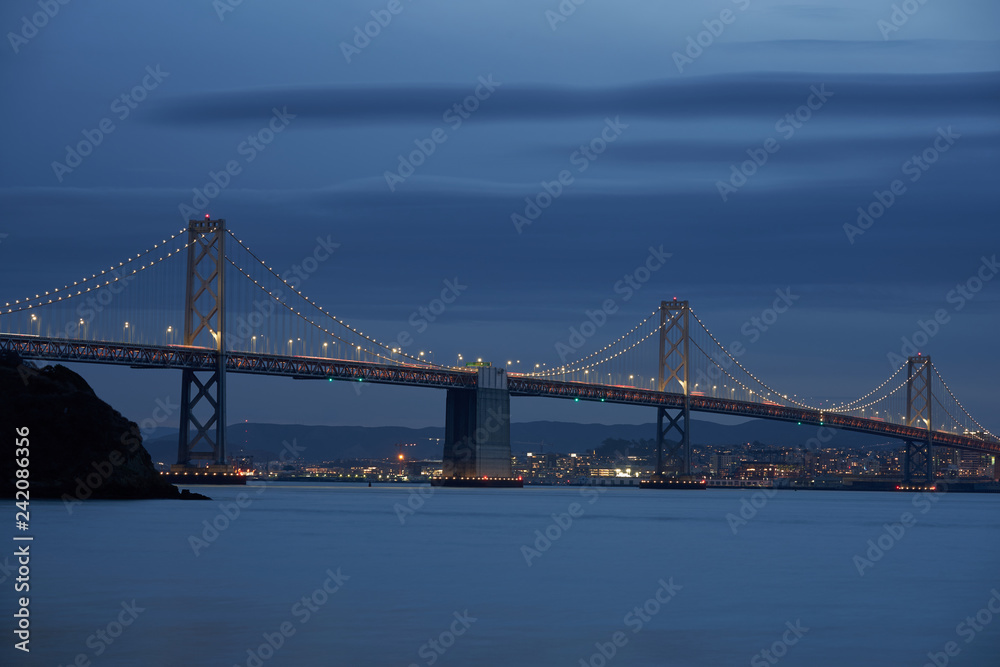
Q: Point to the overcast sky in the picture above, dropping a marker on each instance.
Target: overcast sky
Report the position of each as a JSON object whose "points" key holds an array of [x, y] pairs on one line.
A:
{"points": [[681, 93]]}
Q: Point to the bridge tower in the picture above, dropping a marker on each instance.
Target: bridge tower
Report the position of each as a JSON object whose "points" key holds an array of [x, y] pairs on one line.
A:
{"points": [[673, 434], [203, 395], [918, 457]]}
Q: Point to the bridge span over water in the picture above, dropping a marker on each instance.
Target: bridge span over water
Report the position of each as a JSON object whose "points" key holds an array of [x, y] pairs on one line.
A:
{"points": [[226, 311]]}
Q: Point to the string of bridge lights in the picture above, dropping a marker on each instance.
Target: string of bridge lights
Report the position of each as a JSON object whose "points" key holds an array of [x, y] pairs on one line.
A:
{"points": [[97, 275], [871, 403], [941, 405], [842, 407], [563, 370], [846, 407], [29, 303], [959, 403], [695, 343], [838, 409], [756, 379], [820, 410], [609, 345], [329, 315], [309, 321]]}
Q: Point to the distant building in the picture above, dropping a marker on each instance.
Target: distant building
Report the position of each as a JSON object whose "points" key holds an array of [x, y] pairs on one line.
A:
{"points": [[762, 470]]}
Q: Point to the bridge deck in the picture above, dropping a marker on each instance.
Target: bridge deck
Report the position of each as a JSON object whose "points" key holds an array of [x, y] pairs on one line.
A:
{"points": [[198, 358]]}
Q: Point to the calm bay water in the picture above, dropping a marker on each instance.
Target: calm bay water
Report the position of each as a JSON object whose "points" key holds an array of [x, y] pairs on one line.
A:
{"points": [[455, 571]]}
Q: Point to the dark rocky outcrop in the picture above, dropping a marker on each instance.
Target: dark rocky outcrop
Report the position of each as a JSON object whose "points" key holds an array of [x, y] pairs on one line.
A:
{"points": [[80, 447]]}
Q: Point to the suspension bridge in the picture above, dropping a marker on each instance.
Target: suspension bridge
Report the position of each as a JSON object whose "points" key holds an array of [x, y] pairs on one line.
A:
{"points": [[204, 303]]}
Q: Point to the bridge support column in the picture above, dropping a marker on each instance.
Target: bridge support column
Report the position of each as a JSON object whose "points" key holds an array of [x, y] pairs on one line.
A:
{"points": [[674, 455], [204, 408], [918, 463], [477, 431], [918, 455]]}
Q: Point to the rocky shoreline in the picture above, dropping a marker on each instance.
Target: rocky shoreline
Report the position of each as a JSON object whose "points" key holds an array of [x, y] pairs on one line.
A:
{"points": [[80, 447]]}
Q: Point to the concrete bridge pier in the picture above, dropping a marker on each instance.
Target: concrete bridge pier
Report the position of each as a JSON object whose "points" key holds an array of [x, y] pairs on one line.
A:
{"points": [[477, 433]]}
